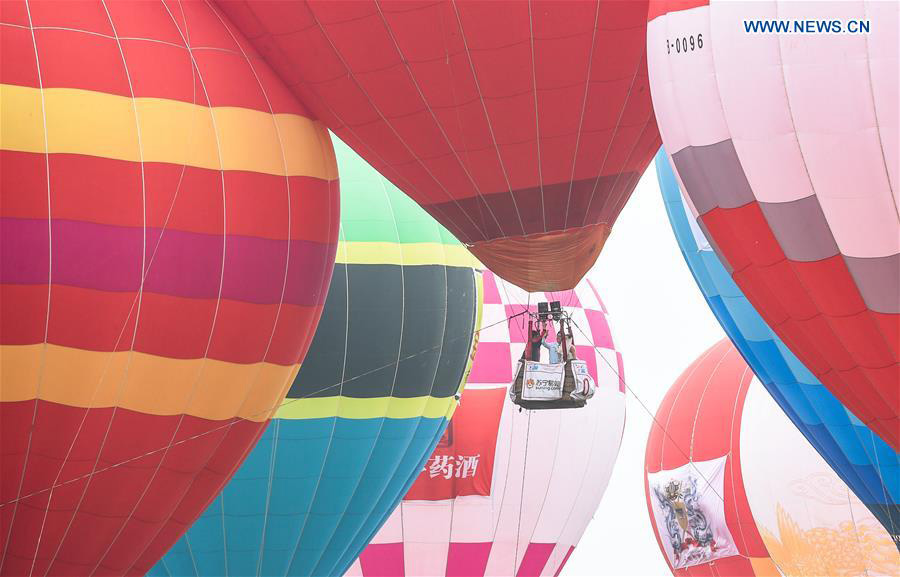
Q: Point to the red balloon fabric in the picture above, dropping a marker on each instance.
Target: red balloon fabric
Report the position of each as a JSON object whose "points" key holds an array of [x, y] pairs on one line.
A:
{"points": [[523, 127], [168, 227], [692, 474]]}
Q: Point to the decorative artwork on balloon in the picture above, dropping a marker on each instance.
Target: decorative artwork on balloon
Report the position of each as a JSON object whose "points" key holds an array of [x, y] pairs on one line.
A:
{"points": [[696, 434], [689, 512], [733, 488], [809, 519]]}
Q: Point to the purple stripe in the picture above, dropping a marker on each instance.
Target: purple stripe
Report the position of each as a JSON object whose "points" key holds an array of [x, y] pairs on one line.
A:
{"points": [[878, 280], [801, 229], [713, 176], [180, 263]]}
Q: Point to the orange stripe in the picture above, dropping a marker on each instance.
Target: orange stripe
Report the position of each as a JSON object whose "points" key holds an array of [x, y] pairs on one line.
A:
{"points": [[68, 120], [204, 388]]}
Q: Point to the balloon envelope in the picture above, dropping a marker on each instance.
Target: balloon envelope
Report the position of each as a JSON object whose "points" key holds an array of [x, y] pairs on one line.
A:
{"points": [[510, 492], [522, 127], [787, 146], [367, 407], [869, 466], [810, 522], [169, 223], [734, 489]]}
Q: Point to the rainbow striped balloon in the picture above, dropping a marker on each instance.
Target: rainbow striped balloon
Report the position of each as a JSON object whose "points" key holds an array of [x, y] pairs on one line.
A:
{"points": [[169, 225]]}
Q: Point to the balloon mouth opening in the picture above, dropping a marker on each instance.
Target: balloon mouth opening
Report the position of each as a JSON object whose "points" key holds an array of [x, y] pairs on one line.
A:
{"points": [[552, 261]]}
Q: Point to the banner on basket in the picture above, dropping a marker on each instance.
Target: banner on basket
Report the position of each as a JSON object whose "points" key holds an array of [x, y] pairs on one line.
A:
{"points": [[543, 382], [584, 382]]}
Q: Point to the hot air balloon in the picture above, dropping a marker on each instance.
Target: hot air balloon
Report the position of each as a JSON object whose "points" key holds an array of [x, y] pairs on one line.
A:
{"points": [[371, 399], [861, 458], [787, 147], [810, 521], [169, 225], [715, 436], [509, 492], [522, 127]]}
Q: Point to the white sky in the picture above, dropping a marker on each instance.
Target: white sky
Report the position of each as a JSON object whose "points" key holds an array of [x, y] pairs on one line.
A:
{"points": [[660, 323]]}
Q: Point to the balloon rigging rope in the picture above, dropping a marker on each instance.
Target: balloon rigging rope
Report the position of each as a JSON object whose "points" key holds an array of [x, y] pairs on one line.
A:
{"points": [[649, 412], [340, 384], [522, 491]]}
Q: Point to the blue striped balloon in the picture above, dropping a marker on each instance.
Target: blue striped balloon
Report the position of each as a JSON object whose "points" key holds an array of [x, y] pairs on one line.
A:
{"points": [[867, 464]]}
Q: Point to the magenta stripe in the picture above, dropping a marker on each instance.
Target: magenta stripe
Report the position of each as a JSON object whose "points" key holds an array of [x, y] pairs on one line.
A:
{"points": [[567, 298], [467, 559], [600, 334], [185, 264], [596, 294], [535, 558], [491, 364], [491, 292], [382, 560], [621, 371]]}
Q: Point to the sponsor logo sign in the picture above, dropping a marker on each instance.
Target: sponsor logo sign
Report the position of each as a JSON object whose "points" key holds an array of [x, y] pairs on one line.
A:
{"points": [[543, 382]]}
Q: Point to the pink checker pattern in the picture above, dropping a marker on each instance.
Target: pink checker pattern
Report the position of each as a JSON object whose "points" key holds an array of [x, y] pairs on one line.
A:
{"points": [[535, 514]]}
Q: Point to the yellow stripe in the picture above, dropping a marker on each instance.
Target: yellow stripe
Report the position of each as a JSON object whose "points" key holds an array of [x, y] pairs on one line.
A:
{"points": [[144, 383], [476, 336], [100, 124], [410, 254], [391, 407], [353, 408]]}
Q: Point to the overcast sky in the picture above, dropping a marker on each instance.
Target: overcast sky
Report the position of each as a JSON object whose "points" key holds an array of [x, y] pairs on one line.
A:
{"points": [[660, 323]]}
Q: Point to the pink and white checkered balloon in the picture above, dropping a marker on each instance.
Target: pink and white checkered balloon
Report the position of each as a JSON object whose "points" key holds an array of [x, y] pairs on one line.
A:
{"points": [[510, 492]]}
